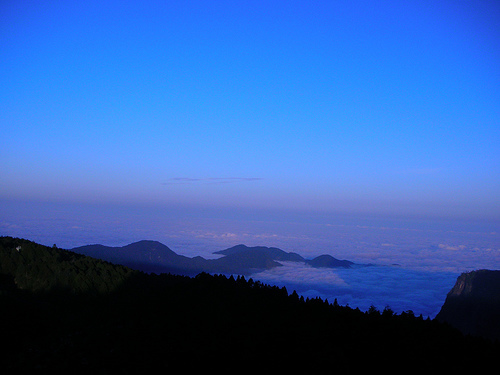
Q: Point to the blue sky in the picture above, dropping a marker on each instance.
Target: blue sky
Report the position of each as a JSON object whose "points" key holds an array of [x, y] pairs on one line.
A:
{"points": [[325, 106]]}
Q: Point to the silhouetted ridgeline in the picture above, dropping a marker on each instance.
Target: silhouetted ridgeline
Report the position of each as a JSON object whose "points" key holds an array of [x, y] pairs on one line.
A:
{"points": [[63, 312], [29, 266], [473, 304], [153, 256]]}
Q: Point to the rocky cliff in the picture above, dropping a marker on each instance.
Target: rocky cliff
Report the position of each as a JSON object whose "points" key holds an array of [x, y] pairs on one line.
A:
{"points": [[473, 304]]}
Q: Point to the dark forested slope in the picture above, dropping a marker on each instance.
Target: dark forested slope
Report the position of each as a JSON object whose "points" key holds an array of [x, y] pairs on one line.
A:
{"points": [[62, 312], [30, 266]]}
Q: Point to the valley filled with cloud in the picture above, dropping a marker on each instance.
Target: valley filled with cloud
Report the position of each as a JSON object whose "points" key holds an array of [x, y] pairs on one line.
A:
{"points": [[398, 288], [412, 264]]}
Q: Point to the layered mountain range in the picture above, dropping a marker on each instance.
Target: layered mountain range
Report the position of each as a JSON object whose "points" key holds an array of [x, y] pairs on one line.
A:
{"points": [[153, 256]]}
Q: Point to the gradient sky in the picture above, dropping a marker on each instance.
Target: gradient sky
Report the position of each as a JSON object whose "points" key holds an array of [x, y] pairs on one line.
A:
{"points": [[352, 106]]}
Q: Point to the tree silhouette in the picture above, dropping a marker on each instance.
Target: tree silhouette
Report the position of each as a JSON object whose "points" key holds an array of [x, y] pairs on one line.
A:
{"points": [[72, 313]]}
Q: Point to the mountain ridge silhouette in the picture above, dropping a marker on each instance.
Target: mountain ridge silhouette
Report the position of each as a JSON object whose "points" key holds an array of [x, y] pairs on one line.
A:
{"points": [[153, 256]]}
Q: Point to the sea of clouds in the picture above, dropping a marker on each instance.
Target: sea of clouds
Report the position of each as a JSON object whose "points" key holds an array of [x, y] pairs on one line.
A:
{"points": [[413, 263], [398, 288]]}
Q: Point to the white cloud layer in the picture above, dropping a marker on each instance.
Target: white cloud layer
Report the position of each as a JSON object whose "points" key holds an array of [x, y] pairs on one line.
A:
{"points": [[401, 289], [417, 263]]}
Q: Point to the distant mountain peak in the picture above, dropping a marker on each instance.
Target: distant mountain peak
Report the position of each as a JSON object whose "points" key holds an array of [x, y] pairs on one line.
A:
{"points": [[244, 248], [153, 256], [148, 243], [327, 261], [262, 252]]}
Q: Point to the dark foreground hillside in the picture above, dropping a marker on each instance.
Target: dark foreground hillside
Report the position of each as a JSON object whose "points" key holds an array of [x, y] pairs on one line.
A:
{"points": [[63, 312]]}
